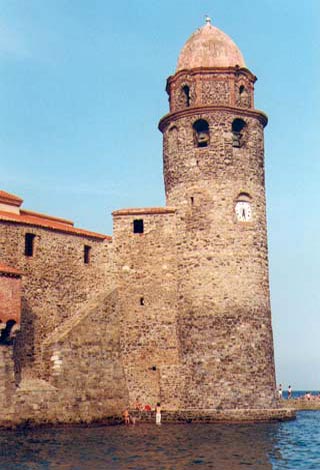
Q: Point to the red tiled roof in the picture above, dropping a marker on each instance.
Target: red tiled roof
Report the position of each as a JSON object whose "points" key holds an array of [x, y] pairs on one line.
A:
{"points": [[146, 210], [8, 270], [11, 199], [53, 223], [45, 216]]}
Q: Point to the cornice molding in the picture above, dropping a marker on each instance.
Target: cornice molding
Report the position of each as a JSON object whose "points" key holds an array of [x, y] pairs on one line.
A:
{"points": [[171, 117], [211, 70]]}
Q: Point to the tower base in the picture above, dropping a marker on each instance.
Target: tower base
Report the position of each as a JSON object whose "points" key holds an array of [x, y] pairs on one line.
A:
{"points": [[219, 416]]}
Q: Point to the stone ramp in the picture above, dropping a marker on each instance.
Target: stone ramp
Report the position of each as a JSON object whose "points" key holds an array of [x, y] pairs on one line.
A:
{"points": [[64, 329], [35, 385]]}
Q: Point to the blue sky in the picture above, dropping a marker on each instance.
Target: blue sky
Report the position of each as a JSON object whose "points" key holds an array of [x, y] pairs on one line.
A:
{"points": [[82, 88]]}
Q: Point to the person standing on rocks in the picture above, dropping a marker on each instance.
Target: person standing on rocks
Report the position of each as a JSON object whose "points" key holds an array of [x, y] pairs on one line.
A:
{"points": [[158, 414]]}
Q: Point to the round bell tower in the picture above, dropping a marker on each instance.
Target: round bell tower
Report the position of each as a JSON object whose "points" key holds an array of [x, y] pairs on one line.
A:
{"points": [[213, 154]]}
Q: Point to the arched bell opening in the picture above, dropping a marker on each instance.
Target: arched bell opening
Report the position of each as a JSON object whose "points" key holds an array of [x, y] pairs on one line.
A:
{"points": [[201, 133], [238, 128], [243, 97]]}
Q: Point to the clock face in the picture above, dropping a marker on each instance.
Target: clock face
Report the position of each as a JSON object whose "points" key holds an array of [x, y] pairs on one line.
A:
{"points": [[243, 211]]}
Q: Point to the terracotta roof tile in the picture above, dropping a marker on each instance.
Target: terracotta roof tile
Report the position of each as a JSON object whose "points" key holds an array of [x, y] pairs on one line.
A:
{"points": [[8, 270], [41, 220], [11, 199], [45, 216]]}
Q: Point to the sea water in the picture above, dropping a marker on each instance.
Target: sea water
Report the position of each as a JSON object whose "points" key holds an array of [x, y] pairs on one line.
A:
{"points": [[275, 446]]}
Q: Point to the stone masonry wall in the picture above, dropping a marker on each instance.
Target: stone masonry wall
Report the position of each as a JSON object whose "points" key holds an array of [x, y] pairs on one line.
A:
{"points": [[146, 273], [55, 282], [211, 87], [86, 378], [7, 383], [224, 308]]}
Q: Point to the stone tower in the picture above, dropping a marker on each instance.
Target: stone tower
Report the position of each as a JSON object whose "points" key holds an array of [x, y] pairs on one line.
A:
{"points": [[214, 176]]}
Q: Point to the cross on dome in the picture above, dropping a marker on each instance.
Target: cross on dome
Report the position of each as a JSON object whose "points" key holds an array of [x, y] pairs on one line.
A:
{"points": [[208, 19]]}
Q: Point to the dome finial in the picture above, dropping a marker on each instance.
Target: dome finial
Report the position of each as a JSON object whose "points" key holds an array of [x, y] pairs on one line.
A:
{"points": [[208, 19]]}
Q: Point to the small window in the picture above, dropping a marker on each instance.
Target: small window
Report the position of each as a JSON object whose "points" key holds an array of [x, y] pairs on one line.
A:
{"points": [[186, 92], [241, 89], [201, 133], [141, 300], [86, 254], [138, 226], [238, 127], [29, 244]]}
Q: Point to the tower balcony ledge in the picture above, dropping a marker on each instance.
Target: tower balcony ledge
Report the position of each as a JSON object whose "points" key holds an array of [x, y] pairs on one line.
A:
{"points": [[171, 117]]}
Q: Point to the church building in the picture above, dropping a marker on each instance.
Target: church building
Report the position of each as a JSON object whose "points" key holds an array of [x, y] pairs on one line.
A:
{"points": [[174, 307]]}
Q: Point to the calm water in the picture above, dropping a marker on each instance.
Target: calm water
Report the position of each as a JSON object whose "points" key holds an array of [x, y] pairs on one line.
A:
{"points": [[292, 445]]}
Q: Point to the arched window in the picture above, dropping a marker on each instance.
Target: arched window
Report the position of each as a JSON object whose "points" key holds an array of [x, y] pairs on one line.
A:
{"points": [[201, 133], [5, 337], [186, 92], [244, 97], [238, 127]]}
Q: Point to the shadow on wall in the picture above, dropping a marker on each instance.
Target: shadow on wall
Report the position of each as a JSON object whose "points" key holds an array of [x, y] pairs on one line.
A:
{"points": [[23, 351]]}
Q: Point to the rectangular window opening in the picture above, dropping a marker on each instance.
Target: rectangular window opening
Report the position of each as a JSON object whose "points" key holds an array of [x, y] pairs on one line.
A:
{"points": [[86, 254], [29, 244], [138, 226]]}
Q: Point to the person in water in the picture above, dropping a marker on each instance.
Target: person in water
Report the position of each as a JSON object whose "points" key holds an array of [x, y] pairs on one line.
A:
{"points": [[126, 416]]}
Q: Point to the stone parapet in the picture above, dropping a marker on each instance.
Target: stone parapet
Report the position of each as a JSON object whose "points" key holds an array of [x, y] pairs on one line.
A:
{"points": [[144, 211], [303, 404]]}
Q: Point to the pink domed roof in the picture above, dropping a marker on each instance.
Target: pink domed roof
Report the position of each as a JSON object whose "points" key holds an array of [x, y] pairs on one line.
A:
{"points": [[209, 47]]}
